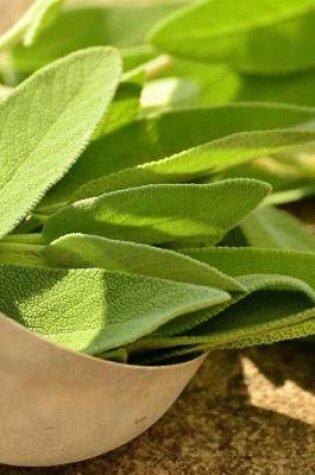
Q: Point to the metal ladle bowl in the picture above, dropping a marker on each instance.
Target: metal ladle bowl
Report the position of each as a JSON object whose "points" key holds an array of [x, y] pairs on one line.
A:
{"points": [[58, 406]]}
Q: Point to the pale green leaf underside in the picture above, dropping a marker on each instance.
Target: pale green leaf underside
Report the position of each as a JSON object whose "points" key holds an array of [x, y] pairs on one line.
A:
{"points": [[273, 303], [274, 228], [47, 122], [82, 250], [260, 36], [157, 214], [304, 327], [300, 325], [168, 134], [199, 321], [92, 310], [31, 23], [198, 162], [249, 260]]}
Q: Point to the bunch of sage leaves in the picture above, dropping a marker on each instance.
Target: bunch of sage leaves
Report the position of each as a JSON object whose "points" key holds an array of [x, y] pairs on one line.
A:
{"points": [[138, 220]]}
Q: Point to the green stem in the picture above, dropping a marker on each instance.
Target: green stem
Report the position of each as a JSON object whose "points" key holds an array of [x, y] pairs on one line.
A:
{"points": [[42, 218], [21, 254], [46, 211], [157, 66], [120, 355], [23, 239], [288, 196]]}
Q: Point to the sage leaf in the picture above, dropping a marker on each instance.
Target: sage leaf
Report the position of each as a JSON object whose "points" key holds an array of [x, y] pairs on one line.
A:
{"points": [[126, 104], [220, 84], [79, 27], [251, 260], [157, 214], [169, 94], [4, 91], [47, 122], [254, 37], [82, 250], [138, 56], [21, 254], [300, 325], [287, 88], [281, 175], [170, 133], [272, 302], [304, 190], [139, 220], [253, 283], [116, 309], [198, 162], [125, 107], [263, 312], [305, 327], [274, 228]]}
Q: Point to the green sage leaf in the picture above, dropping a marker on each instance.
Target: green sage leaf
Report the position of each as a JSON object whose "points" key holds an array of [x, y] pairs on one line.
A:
{"points": [[272, 302], [300, 325], [92, 310], [82, 250], [157, 214], [220, 84], [167, 134], [198, 162], [253, 283], [79, 27], [47, 122], [251, 260], [260, 37], [125, 107], [274, 228]]}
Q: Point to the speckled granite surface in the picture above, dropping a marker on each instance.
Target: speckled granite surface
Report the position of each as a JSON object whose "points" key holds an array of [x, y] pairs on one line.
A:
{"points": [[246, 413]]}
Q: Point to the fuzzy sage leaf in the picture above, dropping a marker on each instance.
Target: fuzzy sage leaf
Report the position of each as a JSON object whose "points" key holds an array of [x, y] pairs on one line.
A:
{"points": [[83, 250], [164, 135], [252, 260], [271, 302], [257, 37], [157, 214], [199, 162], [275, 228], [116, 309], [43, 134]]}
